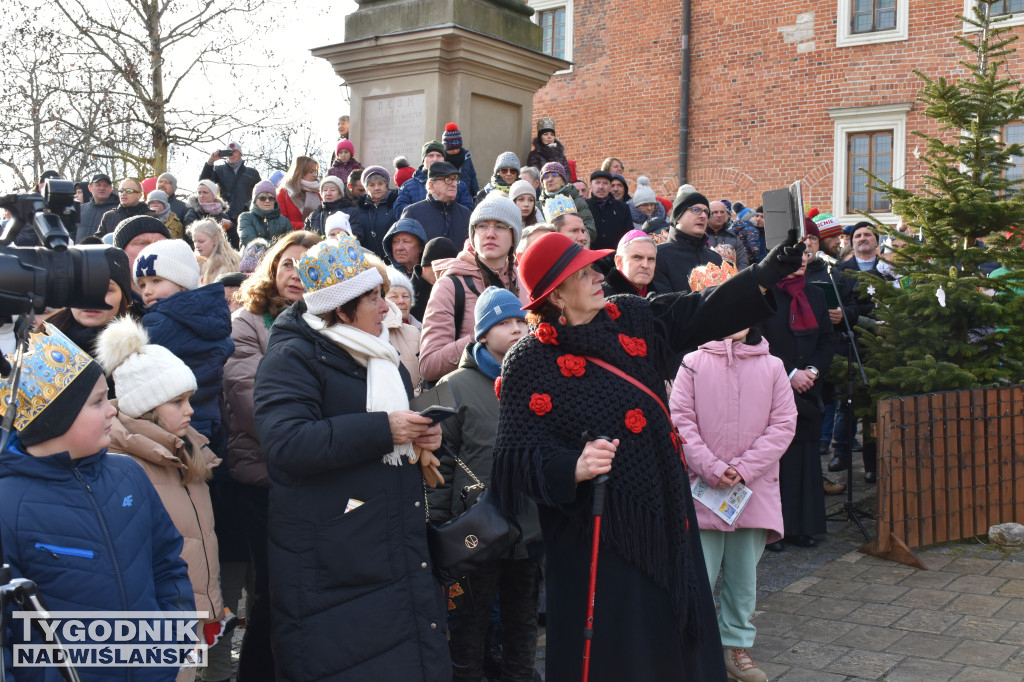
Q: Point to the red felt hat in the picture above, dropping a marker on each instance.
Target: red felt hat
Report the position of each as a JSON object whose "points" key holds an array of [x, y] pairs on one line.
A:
{"points": [[549, 261]]}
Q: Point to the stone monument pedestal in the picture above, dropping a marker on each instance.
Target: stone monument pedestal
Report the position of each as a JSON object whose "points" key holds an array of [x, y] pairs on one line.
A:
{"points": [[405, 86]]}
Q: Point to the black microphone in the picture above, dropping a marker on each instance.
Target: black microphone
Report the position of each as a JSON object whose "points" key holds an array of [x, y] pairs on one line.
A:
{"points": [[825, 258]]}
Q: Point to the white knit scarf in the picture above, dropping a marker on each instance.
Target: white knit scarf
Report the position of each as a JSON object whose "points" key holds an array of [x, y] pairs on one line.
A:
{"points": [[385, 391]]}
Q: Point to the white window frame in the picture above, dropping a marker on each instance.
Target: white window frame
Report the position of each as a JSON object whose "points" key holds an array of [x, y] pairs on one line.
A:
{"points": [[544, 5], [865, 119], [845, 37], [1011, 19]]}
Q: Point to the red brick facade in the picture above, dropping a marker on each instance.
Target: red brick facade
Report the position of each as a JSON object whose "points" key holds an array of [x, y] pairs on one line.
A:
{"points": [[763, 78]]}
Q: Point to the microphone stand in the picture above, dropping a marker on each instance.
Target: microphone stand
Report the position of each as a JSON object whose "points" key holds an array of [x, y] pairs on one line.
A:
{"points": [[849, 512]]}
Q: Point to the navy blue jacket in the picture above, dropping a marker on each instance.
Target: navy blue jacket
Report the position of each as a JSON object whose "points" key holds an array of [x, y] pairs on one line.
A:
{"points": [[441, 219], [374, 221], [410, 192], [94, 536], [354, 597], [317, 220], [195, 325]]}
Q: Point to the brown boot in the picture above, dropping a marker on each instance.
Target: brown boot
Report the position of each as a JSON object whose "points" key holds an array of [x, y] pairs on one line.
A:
{"points": [[741, 667], [834, 488]]}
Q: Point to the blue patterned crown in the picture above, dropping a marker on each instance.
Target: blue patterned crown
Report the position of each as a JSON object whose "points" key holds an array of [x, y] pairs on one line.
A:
{"points": [[559, 205], [51, 363], [334, 272]]}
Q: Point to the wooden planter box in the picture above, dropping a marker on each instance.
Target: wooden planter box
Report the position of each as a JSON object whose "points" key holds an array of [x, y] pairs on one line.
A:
{"points": [[949, 466]]}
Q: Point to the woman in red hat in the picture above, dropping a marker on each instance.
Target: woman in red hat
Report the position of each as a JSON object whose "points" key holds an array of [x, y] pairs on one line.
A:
{"points": [[654, 617]]}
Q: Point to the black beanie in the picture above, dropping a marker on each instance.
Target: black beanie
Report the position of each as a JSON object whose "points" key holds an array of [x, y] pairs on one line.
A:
{"points": [[686, 201], [438, 248], [233, 279], [130, 228], [62, 411], [120, 271]]}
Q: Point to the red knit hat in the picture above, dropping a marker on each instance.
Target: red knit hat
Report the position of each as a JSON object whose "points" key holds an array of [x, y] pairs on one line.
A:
{"points": [[549, 261]]}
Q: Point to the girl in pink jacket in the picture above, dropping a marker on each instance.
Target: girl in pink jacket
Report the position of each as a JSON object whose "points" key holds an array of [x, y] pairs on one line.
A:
{"points": [[733, 405]]}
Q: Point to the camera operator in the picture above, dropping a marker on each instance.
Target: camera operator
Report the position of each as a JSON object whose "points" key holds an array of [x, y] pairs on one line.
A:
{"points": [[103, 200], [235, 180]]}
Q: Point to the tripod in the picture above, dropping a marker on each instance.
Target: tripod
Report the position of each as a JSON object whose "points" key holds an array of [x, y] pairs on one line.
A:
{"points": [[849, 512]]}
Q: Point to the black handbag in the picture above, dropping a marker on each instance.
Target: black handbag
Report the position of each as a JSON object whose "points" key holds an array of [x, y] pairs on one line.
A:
{"points": [[472, 540]]}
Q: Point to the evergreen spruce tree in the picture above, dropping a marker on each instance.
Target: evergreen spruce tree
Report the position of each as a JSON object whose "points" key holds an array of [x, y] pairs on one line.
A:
{"points": [[947, 325]]}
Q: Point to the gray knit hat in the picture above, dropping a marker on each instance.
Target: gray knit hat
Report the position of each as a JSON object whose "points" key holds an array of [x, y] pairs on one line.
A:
{"points": [[497, 206], [643, 194], [521, 187], [159, 195], [169, 178], [378, 171], [507, 160]]}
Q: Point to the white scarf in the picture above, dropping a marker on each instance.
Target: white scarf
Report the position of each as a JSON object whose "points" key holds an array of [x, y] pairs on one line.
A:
{"points": [[385, 390]]}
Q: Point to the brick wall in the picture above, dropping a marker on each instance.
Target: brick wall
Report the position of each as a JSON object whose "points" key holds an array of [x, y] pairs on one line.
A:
{"points": [[761, 87]]}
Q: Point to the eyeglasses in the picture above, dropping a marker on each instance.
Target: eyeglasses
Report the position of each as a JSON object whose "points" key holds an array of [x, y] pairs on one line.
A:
{"points": [[265, 197], [550, 175], [451, 180], [125, 190], [697, 210], [507, 170], [484, 228]]}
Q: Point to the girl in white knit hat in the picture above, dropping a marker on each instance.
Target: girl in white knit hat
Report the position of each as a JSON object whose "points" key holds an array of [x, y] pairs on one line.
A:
{"points": [[153, 426]]}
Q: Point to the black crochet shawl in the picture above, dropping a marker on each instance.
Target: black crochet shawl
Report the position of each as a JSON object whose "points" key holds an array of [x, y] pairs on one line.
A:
{"points": [[548, 398]]}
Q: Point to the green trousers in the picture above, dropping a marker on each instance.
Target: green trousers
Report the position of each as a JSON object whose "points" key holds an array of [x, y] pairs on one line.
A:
{"points": [[735, 554]]}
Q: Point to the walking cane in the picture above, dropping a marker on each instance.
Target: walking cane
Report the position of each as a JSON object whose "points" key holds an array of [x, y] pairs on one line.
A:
{"points": [[588, 628]]}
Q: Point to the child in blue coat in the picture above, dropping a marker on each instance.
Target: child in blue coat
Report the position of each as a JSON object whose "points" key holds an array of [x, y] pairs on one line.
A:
{"points": [[86, 526], [192, 322]]}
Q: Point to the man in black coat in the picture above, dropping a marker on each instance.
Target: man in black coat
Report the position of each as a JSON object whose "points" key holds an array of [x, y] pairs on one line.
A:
{"points": [[612, 218], [635, 264], [235, 180], [168, 184], [131, 203], [423, 277], [440, 214], [103, 200], [686, 246]]}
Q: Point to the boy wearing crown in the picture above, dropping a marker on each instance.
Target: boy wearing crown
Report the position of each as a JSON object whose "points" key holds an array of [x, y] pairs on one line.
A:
{"points": [[86, 526]]}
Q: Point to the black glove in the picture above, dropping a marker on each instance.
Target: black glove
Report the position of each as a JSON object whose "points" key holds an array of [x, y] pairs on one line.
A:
{"points": [[783, 260]]}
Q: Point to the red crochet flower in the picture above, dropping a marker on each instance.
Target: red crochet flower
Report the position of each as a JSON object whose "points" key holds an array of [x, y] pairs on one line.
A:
{"points": [[540, 403], [572, 365], [633, 345], [546, 334], [497, 388], [635, 420], [612, 310]]}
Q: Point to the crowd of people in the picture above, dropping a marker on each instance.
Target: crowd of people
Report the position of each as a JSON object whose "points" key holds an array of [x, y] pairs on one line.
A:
{"points": [[264, 338]]}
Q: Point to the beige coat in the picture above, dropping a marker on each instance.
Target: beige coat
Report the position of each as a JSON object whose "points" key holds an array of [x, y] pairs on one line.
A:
{"points": [[162, 455], [246, 460], [406, 340]]}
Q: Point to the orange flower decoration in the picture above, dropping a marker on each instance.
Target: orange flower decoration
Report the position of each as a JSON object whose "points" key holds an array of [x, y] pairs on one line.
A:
{"points": [[546, 334], [572, 365], [635, 420], [540, 403], [634, 346], [612, 310]]}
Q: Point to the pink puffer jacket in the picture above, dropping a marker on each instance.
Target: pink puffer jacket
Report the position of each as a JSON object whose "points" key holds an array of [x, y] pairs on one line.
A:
{"points": [[441, 345], [733, 404]]}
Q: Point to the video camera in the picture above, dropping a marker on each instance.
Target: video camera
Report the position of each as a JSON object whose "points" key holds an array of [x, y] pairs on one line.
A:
{"points": [[56, 274]]}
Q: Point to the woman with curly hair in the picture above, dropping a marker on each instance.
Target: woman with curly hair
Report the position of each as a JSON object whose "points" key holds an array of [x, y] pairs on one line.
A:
{"points": [[271, 288], [213, 251]]}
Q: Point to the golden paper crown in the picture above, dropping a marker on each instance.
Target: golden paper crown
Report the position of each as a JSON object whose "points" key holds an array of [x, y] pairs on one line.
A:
{"points": [[710, 275]]}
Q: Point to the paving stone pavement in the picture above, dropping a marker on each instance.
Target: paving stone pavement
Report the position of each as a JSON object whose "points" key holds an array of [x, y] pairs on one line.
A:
{"points": [[832, 614]]}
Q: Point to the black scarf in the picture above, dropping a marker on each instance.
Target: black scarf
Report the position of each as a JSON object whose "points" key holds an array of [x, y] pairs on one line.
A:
{"points": [[648, 512]]}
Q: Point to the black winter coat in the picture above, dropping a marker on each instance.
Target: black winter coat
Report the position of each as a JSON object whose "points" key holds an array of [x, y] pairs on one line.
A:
{"points": [[92, 213], [441, 219], [797, 352], [235, 188], [612, 219], [678, 257], [616, 283], [317, 220], [111, 219], [548, 399], [374, 221], [353, 594], [421, 292]]}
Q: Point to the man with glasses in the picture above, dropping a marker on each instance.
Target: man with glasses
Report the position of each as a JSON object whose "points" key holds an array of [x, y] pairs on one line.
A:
{"points": [[440, 214], [131, 204], [103, 200], [415, 188], [686, 247]]}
